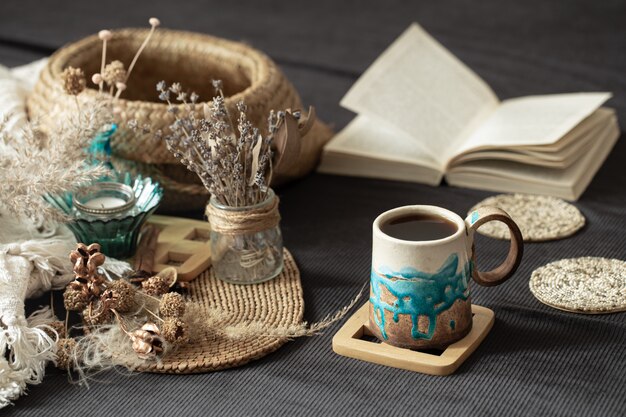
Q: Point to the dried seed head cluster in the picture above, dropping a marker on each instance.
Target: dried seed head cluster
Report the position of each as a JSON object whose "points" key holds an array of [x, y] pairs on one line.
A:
{"points": [[172, 305], [123, 306], [175, 331], [73, 80], [65, 352], [114, 73], [122, 295], [231, 156], [88, 284], [155, 286], [75, 300]]}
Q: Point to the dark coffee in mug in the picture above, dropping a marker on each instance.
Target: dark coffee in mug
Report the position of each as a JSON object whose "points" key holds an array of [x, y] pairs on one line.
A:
{"points": [[418, 227]]}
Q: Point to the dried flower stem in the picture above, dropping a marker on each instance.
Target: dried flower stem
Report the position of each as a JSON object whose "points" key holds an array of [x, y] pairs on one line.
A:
{"points": [[120, 322], [52, 302], [104, 35], [104, 60], [148, 296], [153, 25], [152, 314], [67, 318]]}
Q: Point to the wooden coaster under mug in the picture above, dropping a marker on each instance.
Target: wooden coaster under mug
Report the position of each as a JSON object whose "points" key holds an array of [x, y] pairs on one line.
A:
{"points": [[355, 340]]}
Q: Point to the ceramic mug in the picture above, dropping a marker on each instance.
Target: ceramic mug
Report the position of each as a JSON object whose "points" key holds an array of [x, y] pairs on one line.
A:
{"points": [[419, 290]]}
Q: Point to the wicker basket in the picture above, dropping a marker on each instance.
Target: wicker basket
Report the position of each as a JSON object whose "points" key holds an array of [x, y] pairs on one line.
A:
{"points": [[193, 60]]}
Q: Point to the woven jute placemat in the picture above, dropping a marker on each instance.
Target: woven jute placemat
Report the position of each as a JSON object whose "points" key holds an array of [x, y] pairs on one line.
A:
{"points": [[539, 218], [582, 285], [277, 302]]}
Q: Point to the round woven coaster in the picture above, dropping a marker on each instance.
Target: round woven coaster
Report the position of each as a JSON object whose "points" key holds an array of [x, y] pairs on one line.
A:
{"points": [[539, 218], [277, 302], [582, 285]]}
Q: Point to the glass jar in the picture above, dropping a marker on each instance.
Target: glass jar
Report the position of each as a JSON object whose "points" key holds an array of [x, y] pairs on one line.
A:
{"points": [[247, 258]]}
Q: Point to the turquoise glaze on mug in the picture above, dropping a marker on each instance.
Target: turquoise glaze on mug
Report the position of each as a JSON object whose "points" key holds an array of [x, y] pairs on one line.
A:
{"points": [[419, 293]]}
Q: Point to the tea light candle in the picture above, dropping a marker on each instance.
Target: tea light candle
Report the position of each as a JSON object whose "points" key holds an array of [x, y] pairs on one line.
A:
{"points": [[104, 199], [105, 202]]}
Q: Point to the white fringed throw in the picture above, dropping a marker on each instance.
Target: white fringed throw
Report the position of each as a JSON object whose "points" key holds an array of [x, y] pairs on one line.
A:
{"points": [[32, 261], [30, 265], [24, 350]]}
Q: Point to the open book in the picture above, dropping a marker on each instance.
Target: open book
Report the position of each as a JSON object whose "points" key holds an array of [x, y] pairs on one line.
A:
{"points": [[423, 115]]}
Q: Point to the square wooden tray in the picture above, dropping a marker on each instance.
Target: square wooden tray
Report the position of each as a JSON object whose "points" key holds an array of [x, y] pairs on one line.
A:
{"points": [[349, 341]]}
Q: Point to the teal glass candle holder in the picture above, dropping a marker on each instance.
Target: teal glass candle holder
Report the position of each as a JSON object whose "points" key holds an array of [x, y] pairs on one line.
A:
{"points": [[116, 232]]}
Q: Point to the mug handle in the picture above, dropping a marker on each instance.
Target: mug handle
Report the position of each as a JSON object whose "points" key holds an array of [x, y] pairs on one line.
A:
{"points": [[503, 272]]}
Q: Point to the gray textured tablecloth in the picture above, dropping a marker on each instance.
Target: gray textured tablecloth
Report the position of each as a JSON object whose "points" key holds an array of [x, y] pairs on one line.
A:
{"points": [[536, 361]]}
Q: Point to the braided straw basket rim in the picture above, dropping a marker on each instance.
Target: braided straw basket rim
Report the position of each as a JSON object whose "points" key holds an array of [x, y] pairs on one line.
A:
{"points": [[252, 76], [59, 60], [278, 302]]}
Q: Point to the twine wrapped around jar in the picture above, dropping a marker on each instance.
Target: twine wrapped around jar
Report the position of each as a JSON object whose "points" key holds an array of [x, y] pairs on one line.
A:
{"points": [[243, 221]]}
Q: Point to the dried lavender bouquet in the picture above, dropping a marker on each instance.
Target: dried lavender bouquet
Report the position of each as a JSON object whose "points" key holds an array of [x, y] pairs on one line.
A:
{"points": [[233, 159]]}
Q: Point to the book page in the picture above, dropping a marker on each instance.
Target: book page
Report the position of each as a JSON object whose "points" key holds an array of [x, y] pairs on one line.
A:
{"points": [[363, 166], [418, 86], [569, 183], [560, 154], [374, 140], [368, 149], [534, 120]]}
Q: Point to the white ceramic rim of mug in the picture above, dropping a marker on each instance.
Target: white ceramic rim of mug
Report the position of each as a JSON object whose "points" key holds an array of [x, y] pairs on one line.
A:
{"points": [[420, 209]]}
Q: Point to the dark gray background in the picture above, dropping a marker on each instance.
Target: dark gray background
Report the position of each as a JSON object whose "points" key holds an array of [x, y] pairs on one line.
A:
{"points": [[536, 360]]}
